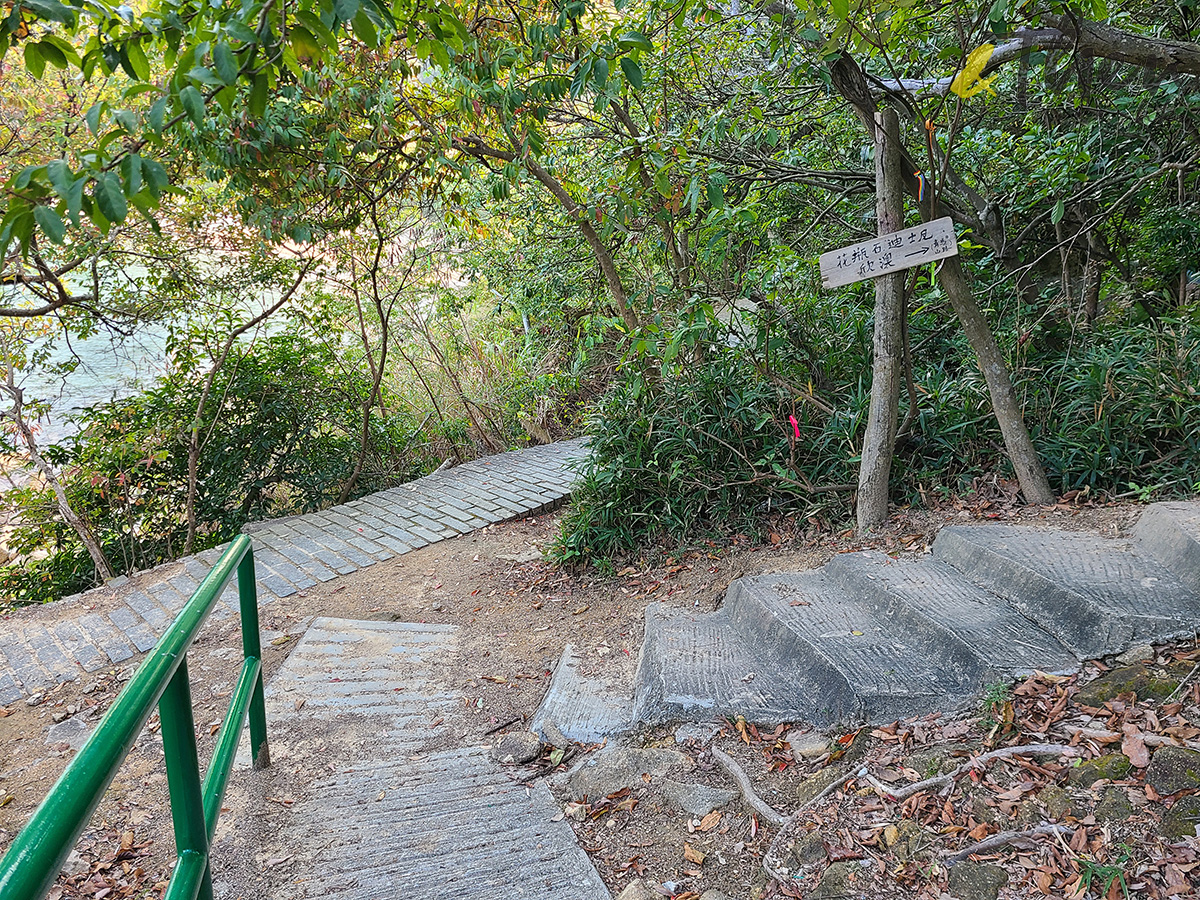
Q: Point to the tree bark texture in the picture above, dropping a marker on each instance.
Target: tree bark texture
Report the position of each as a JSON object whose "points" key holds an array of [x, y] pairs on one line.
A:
{"points": [[879, 441]]}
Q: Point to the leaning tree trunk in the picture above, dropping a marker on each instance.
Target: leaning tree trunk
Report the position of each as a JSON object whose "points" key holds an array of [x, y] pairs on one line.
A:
{"points": [[81, 528], [879, 441]]}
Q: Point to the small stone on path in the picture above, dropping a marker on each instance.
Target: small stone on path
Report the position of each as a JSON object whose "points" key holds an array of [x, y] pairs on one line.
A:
{"points": [[1174, 769], [73, 732], [516, 748], [605, 773], [975, 881], [696, 799], [807, 744]]}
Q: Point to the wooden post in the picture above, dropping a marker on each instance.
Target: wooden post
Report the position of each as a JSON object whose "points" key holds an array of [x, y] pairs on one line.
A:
{"points": [[880, 438]]}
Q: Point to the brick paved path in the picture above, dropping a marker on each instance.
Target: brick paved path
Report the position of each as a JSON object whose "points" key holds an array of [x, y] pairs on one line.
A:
{"points": [[42, 646]]}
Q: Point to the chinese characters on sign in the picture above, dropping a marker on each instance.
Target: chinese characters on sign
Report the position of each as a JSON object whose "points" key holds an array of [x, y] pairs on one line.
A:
{"points": [[889, 253]]}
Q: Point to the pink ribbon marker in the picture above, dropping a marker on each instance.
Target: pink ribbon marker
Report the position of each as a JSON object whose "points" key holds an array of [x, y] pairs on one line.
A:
{"points": [[795, 426]]}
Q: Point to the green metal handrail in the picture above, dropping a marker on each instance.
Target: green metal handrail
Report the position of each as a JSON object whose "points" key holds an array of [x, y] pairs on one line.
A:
{"points": [[35, 858]]}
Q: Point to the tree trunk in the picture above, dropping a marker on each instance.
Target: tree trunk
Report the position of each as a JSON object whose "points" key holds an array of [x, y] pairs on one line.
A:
{"points": [[850, 82], [73, 519], [880, 438], [1017, 443]]}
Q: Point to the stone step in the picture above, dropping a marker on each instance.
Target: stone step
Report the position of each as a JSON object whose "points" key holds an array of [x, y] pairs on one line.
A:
{"points": [[583, 706], [1096, 595], [935, 598], [1171, 533], [862, 666], [695, 666]]}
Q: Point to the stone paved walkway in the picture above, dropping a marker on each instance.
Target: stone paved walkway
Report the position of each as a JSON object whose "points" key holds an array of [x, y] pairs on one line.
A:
{"points": [[42, 646]]}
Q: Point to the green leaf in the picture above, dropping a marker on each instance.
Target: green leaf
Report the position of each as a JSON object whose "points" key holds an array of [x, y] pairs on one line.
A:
{"points": [[58, 173], [74, 198], [51, 223], [52, 54], [157, 115], [716, 196], [155, 175], [811, 34], [108, 196], [662, 182], [304, 45], [137, 60], [126, 120], [1056, 215], [131, 174], [633, 72], [345, 10], [840, 9], [92, 117], [258, 95], [634, 40], [225, 63], [364, 28], [193, 104], [600, 72], [35, 63], [51, 10]]}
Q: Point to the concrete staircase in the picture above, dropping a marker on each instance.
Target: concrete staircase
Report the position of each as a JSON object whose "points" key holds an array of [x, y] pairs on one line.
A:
{"points": [[867, 638]]}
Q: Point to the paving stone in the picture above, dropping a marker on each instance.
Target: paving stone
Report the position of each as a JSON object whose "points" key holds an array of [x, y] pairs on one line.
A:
{"points": [[49, 655], [150, 611], [10, 690], [273, 562], [78, 647], [133, 628], [273, 584], [107, 638], [582, 708]]}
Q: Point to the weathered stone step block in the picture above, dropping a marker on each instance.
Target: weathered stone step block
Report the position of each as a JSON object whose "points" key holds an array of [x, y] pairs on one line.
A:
{"points": [[863, 666], [1171, 533], [1097, 596], [956, 614], [695, 666]]}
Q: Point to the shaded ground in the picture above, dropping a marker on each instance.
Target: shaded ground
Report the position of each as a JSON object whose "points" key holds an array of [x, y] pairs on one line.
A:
{"points": [[517, 612]]}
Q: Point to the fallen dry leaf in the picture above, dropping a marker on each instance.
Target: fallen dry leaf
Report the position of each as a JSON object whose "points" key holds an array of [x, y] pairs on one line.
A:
{"points": [[1133, 746], [692, 855]]}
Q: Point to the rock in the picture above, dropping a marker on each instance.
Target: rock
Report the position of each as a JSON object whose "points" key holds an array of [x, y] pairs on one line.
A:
{"points": [[1136, 654], [516, 748], [1149, 682], [974, 881], [1110, 767], [1113, 806], [1174, 769], [73, 732], [694, 731], [75, 864], [1056, 802], [605, 773], [808, 744], [554, 736], [907, 840], [636, 890], [808, 851], [696, 799], [932, 761], [1182, 820], [837, 883]]}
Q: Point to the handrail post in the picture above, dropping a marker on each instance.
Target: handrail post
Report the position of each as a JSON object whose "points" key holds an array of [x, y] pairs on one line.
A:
{"points": [[183, 772], [252, 649]]}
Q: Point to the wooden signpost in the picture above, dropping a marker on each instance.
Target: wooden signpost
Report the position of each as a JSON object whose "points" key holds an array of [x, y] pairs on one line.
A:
{"points": [[889, 253]]}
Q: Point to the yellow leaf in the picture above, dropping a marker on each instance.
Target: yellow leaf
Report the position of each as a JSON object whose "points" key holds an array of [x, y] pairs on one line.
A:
{"points": [[967, 83]]}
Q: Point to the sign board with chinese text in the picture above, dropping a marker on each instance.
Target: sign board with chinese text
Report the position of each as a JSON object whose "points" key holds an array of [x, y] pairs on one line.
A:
{"points": [[890, 253]]}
